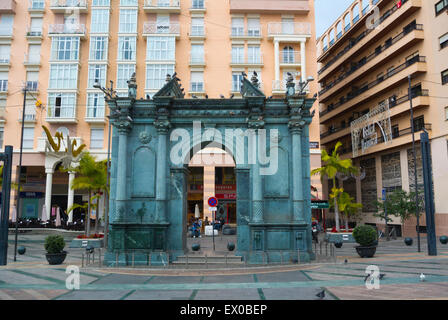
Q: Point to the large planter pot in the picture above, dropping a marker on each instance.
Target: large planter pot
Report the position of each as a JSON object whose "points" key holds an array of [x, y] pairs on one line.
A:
{"points": [[366, 252], [443, 239], [338, 244], [56, 258], [408, 241]]}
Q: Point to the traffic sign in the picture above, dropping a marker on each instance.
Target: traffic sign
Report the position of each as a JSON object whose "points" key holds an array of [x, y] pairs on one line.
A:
{"points": [[383, 194], [212, 202]]}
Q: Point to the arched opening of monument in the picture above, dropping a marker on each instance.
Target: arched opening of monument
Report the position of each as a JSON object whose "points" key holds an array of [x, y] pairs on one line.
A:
{"points": [[211, 174]]}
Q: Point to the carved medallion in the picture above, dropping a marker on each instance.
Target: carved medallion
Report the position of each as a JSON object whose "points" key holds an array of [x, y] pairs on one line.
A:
{"points": [[144, 137]]}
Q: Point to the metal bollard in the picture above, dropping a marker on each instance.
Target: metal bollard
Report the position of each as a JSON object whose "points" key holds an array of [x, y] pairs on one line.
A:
{"points": [[82, 259], [206, 261], [133, 259], [99, 258], [116, 260]]}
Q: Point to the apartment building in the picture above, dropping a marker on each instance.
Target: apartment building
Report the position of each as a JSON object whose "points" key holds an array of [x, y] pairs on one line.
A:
{"points": [[62, 49], [365, 60]]}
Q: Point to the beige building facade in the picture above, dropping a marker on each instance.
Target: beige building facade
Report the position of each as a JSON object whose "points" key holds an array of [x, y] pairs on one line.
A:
{"points": [[364, 62], [60, 49]]}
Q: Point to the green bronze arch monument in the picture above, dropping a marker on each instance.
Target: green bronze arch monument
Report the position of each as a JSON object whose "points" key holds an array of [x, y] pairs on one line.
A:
{"points": [[153, 141]]}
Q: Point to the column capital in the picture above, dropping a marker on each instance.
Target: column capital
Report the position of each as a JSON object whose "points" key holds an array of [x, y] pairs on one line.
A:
{"points": [[123, 126], [296, 126], [162, 126], [49, 170]]}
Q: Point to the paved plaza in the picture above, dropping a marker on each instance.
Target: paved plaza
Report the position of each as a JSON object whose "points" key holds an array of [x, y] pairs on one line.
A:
{"points": [[31, 278]]}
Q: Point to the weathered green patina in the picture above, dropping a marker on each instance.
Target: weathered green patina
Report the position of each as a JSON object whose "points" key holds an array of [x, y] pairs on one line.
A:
{"points": [[149, 189]]}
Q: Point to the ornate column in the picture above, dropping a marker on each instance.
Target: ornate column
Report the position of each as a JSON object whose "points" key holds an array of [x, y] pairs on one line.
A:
{"points": [[161, 182], [123, 127], [257, 181], [296, 129], [71, 195], [48, 187]]}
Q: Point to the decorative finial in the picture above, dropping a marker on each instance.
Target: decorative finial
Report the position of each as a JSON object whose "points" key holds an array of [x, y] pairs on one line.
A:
{"points": [[132, 86], [168, 78], [254, 79]]}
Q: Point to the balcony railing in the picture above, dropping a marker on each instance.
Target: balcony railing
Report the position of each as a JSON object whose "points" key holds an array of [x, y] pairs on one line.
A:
{"points": [[162, 4], [3, 85], [31, 59], [197, 87], [68, 4], [197, 4], [4, 60], [392, 103], [197, 31], [154, 28], [280, 85], [377, 52], [197, 60], [240, 32], [284, 28], [357, 92], [67, 29], [290, 57], [34, 32], [6, 31], [247, 60], [29, 117], [353, 42], [61, 113], [36, 5], [95, 112], [32, 85]]}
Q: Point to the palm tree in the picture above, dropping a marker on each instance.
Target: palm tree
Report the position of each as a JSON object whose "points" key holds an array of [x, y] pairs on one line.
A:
{"points": [[91, 175], [332, 166], [347, 206]]}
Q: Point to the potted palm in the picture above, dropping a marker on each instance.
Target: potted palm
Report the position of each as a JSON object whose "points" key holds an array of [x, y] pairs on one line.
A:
{"points": [[54, 245], [366, 237]]}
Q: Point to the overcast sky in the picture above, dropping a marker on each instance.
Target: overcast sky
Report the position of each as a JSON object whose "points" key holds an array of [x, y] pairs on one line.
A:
{"points": [[327, 11]]}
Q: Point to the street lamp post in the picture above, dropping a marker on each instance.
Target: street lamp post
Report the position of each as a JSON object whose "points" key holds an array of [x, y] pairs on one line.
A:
{"points": [[20, 171], [417, 213]]}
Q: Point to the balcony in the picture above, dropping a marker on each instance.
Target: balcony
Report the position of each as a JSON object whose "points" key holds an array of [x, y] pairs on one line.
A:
{"points": [[154, 29], [269, 6], [32, 86], [279, 87], [31, 60], [6, 32], [36, 6], [411, 34], [162, 6], [67, 29], [400, 73], [29, 117], [34, 34], [252, 61], [388, 21], [61, 114], [42, 142], [288, 30], [197, 88], [61, 6], [4, 61], [8, 6], [240, 33], [397, 106], [290, 59], [95, 115]]}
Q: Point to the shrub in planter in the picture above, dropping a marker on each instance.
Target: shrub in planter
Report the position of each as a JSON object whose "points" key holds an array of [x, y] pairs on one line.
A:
{"points": [[54, 245], [366, 237]]}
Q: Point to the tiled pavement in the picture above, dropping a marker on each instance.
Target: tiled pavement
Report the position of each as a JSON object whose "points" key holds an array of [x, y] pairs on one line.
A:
{"points": [[31, 278]]}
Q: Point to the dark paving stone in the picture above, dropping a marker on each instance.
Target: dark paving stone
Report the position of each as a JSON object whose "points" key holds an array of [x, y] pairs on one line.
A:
{"points": [[228, 294], [294, 294], [94, 295], [160, 295]]}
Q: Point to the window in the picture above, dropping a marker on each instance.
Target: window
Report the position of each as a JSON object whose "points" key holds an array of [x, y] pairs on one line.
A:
{"points": [[237, 26], [197, 26], [36, 27], [445, 77], [128, 21], [65, 48], [440, 6], [124, 73], [395, 131], [419, 123], [253, 27], [96, 138], [98, 48], [28, 138], [97, 73], [156, 75], [128, 2], [161, 48], [197, 53], [237, 77], [3, 81], [288, 25], [1, 137], [100, 21], [443, 40], [6, 23], [32, 78], [197, 4], [61, 105], [5, 52], [237, 54], [37, 4], [63, 76], [163, 23], [100, 3], [288, 55], [33, 53], [126, 48], [95, 105], [197, 82], [254, 54]]}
